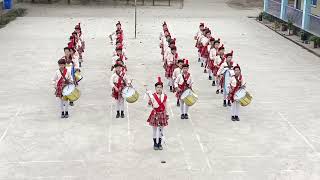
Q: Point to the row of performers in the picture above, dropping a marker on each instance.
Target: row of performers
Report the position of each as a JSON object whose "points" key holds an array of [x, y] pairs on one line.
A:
{"points": [[223, 71], [119, 80], [68, 75], [176, 70], [121, 90]]}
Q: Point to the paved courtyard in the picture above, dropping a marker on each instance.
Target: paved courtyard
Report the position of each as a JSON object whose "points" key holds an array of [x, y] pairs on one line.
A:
{"points": [[278, 137]]}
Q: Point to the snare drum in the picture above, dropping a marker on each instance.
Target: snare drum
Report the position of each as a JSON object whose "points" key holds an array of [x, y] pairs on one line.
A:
{"points": [[189, 97], [70, 92], [130, 94], [243, 97]]}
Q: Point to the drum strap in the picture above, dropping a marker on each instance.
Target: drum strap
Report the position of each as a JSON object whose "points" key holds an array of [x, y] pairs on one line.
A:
{"points": [[222, 61], [120, 80], [235, 89], [185, 79], [63, 77], [161, 104]]}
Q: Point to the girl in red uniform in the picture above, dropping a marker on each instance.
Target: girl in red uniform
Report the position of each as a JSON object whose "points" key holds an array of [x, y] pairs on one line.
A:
{"points": [[158, 117]]}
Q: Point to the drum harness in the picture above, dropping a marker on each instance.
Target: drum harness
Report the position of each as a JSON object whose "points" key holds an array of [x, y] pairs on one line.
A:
{"points": [[64, 77]]}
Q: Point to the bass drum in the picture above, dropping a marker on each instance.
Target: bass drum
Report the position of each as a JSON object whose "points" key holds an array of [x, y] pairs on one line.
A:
{"points": [[130, 94], [243, 97], [189, 97], [71, 93]]}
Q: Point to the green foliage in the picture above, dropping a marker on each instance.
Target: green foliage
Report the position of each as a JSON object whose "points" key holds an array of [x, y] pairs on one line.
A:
{"points": [[12, 15]]}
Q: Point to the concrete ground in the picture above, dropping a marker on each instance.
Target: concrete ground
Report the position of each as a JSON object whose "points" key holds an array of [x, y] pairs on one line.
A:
{"points": [[278, 137]]}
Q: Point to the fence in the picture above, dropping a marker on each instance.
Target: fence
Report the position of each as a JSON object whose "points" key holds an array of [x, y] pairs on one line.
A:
{"points": [[314, 26], [294, 15], [274, 8]]}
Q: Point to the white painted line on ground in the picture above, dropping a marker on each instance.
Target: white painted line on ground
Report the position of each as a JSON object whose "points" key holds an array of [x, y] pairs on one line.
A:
{"points": [[10, 123], [200, 143], [298, 132], [110, 130], [51, 177], [47, 161], [180, 142], [129, 130]]}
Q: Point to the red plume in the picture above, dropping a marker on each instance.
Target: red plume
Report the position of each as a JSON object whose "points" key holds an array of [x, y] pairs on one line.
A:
{"points": [[159, 79], [231, 52], [186, 61]]}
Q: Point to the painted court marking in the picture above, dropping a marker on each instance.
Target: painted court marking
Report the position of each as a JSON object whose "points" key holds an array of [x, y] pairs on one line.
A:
{"points": [[10, 124], [298, 132], [130, 139], [181, 143], [110, 130]]}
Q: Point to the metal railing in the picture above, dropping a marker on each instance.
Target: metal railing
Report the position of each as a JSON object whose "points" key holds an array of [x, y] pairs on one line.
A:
{"points": [[314, 26], [294, 15], [274, 8]]}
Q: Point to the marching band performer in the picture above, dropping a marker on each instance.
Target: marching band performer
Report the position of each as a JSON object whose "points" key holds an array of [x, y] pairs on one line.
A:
{"points": [[118, 81], [226, 66], [164, 44], [119, 29], [197, 37], [217, 63], [237, 82], [204, 51], [177, 71], [183, 82], [170, 62], [120, 53], [164, 29], [158, 117], [119, 45], [61, 78], [80, 43], [213, 53]]}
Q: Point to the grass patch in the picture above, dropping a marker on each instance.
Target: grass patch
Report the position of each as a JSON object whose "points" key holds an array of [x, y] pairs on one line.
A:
{"points": [[11, 15]]}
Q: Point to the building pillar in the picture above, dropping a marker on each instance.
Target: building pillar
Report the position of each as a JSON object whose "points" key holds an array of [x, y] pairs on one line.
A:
{"points": [[283, 13], [305, 16], [265, 5]]}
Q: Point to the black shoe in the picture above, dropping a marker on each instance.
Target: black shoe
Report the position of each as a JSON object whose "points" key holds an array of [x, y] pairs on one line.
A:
{"points": [[199, 60], [122, 114], [213, 83], [71, 103], [221, 91], [217, 92], [205, 70], [210, 78], [66, 115], [186, 116], [118, 114], [155, 146], [182, 116], [62, 115], [79, 64], [229, 103], [159, 144], [233, 118], [178, 103], [237, 118], [224, 103], [171, 89], [201, 64]]}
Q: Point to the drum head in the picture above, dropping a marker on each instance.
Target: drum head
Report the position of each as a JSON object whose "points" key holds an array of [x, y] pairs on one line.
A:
{"points": [[128, 92], [185, 93], [68, 89], [240, 94]]}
